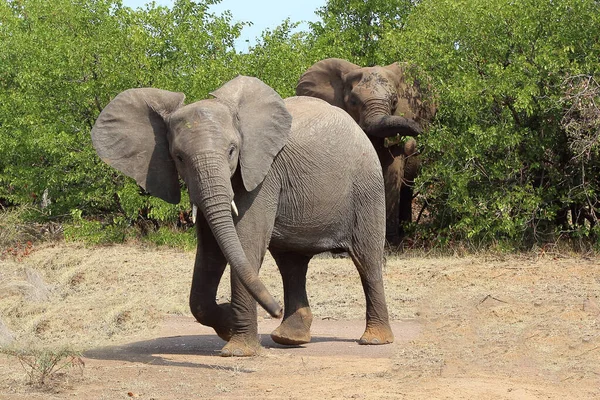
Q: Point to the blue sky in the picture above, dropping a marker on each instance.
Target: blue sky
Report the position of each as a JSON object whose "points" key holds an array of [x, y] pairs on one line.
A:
{"points": [[264, 14]]}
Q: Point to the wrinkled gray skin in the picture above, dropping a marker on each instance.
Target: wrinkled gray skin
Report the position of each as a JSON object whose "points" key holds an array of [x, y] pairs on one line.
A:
{"points": [[286, 179], [384, 105]]}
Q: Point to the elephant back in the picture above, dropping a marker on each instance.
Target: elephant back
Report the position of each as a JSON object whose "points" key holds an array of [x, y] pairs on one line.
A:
{"points": [[338, 136]]}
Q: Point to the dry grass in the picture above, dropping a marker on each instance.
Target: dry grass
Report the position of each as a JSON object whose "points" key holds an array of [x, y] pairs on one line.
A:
{"points": [[67, 293], [490, 315]]}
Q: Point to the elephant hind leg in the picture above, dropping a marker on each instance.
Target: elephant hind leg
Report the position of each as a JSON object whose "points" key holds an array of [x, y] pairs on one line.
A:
{"points": [[378, 330], [297, 318], [367, 252]]}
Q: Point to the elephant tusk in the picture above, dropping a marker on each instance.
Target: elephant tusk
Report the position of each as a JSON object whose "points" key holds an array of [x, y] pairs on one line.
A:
{"points": [[234, 208], [194, 213]]}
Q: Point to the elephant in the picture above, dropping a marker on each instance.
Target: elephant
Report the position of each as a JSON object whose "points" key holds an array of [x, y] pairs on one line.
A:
{"points": [[266, 174], [384, 104]]}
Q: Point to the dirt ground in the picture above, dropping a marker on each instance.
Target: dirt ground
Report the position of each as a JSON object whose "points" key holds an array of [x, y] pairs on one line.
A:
{"points": [[477, 327]]}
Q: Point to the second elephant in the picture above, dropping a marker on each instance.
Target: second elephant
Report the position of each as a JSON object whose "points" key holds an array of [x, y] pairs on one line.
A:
{"points": [[384, 104]]}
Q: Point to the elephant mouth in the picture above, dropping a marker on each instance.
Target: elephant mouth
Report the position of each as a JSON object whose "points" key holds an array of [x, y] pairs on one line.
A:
{"points": [[234, 210]]}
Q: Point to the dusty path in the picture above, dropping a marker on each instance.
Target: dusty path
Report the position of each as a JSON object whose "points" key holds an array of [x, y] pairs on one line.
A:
{"points": [[466, 328], [181, 364]]}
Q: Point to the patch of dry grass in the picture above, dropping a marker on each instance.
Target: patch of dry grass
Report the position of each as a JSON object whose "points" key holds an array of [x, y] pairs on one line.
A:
{"points": [[480, 315], [499, 315], [69, 294]]}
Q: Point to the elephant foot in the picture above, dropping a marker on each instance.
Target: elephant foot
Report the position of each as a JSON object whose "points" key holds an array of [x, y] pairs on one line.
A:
{"points": [[295, 329], [239, 347], [374, 335]]}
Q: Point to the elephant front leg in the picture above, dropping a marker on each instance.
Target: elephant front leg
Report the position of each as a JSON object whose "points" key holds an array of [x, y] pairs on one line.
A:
{"points": [[244, 333], [254, 226], [208, 269], [393, 171], [297, 319]]}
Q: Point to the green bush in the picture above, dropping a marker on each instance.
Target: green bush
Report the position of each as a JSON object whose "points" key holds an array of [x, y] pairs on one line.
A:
{"points": [[500, 162], [61, 62], [93, 232], [512, 159], [166, 236]]}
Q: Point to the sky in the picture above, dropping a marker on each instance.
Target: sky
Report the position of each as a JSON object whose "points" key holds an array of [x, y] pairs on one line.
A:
{"points": [[264, 14]]}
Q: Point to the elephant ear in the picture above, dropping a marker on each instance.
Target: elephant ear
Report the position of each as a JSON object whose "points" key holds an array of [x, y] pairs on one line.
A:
{"points": [[412, 100], [324, 80], [130, 134], [263, 122]]}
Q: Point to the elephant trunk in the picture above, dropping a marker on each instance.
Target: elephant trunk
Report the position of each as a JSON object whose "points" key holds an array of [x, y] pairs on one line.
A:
{"points": [[213, 195], [390, 125]]}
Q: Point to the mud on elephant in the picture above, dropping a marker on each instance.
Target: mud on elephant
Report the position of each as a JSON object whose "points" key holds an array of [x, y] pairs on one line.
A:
{"points": [[385, 104], [279, 164]]}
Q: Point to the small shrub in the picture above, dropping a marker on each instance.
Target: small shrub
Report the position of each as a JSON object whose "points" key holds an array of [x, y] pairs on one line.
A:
{"points": [[94, 232], [12, 229], [42, 365], [171, 237]]}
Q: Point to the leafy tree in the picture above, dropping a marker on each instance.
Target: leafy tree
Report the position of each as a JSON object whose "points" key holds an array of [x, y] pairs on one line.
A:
{"points": [[279, 58], [61, 62], [51, 89], [500, 164], [354, 29]]}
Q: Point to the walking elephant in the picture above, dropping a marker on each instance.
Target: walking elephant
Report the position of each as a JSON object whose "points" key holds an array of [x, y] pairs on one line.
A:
{"points": [[266, 174], [384, 104]]}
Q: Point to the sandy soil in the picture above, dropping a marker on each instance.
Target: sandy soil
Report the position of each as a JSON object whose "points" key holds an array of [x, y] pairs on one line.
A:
{"points": [[485, 327]]}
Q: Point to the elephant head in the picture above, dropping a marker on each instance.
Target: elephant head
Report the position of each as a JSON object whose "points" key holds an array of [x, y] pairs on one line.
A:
{"points": [[379, 98], [149, 135]]}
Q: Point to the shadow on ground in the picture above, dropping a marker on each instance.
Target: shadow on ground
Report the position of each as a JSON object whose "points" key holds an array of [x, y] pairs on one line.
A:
{"points": [[330, 338]]}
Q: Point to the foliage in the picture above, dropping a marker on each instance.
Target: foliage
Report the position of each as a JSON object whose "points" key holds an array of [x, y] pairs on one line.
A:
{"points": [[513, 156], [354, 29], [279, 58], [499, 163], [167, 236], [95, 232], [61, 62], [42, 365]]}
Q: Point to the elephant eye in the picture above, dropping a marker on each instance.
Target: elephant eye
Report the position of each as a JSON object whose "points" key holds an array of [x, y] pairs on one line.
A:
{"points": [[179, 158], [231, 151]]}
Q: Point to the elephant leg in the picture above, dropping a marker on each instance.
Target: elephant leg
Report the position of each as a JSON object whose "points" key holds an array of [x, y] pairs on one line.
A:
{"points": [[297, 318], [411, 168], [393, 172], [254, 228], [367, 252], [405, 206], [208, 269], [244, 338], [378, 330]]}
